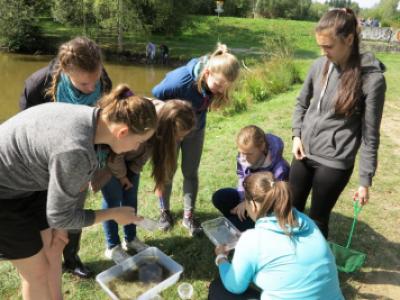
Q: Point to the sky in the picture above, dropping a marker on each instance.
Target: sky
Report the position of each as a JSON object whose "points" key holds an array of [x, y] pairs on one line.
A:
{"points": [[361, 3]]}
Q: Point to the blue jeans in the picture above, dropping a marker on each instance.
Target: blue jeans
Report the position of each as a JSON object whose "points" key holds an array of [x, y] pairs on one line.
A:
{"points": [[114, 195]]}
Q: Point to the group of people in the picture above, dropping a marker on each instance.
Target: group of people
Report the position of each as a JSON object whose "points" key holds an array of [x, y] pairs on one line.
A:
{"points": [[151, 52], [370, 22], [84, 133]]}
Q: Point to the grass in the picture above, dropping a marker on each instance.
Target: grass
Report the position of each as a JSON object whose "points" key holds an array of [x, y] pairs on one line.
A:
{"points": [[200, 36], [377, 233]]}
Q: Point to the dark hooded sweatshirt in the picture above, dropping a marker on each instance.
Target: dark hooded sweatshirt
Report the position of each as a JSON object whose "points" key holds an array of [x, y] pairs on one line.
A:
{"points": [[331, 139], [36, 85]]}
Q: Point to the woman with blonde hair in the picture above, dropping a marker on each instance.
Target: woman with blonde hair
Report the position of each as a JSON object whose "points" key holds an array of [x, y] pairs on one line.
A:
{"points": [[203, 82]]}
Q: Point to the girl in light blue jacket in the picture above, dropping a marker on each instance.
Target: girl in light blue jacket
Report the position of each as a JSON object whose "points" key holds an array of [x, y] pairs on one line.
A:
{"points": [[285, 255]]}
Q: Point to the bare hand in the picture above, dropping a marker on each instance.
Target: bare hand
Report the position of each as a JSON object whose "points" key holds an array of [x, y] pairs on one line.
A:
{"points": [[125, 182], [221, 249], [159, 193], [362, 195], [59, 238], [297, 149], [125, 215], [240, 211]]}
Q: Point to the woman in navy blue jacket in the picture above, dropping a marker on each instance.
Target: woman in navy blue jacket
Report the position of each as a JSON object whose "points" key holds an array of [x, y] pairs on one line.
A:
{"points": [[202, 82]]}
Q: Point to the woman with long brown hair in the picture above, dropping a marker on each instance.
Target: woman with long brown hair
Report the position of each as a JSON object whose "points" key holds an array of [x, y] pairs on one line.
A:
{"points": [[285, 255], [175, 120], [338, 112]]}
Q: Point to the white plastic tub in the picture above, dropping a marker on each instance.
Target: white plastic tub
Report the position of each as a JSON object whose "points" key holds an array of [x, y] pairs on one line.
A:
{"points": [[132, 262], [221, 231]]}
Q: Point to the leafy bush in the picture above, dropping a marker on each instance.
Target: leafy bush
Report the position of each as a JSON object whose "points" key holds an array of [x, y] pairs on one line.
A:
{"points": [[262, 82], [274, 75], [18, 29]]}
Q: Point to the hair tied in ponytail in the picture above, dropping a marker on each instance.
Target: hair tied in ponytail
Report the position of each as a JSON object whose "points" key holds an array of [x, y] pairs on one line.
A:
{"points": [[272, 184], [128, 93]]}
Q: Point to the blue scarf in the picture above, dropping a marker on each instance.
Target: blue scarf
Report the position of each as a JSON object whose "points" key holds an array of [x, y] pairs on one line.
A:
{"points": [[67, 93]]}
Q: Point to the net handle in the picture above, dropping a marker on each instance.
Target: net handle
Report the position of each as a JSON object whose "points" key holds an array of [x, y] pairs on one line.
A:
{"points": [[357, 210]]}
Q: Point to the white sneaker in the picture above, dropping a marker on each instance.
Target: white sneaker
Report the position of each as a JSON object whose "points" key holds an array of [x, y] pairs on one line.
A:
{"points": [[136, 245], [117, 254]]}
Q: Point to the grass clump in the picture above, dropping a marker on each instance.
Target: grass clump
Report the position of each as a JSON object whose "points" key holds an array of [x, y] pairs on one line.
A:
{"points": [[274, 74]]}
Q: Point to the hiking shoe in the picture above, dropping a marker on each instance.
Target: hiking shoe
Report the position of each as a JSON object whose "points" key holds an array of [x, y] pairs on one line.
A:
{"points": [[117, 254], [135, 245], [192, 225], [166, 221]]}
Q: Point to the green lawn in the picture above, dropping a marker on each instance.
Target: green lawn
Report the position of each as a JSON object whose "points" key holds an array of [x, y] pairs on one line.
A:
{"points": [[378, 230], [200, 36]]}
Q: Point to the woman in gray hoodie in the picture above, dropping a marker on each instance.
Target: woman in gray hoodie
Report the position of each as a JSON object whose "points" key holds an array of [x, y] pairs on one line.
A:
{"points": [[57, 147], [338, 112]]}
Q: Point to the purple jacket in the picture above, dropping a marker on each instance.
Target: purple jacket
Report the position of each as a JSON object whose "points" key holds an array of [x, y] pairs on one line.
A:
{"points": [[279, 167]]}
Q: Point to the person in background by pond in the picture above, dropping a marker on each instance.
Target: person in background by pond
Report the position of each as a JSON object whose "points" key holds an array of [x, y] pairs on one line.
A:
{"points": [[202, 82], [76, 76], [54, 149], [285, 255], [338, 112], [164, 53], [258, 152], [175, 120], [150, 52]]}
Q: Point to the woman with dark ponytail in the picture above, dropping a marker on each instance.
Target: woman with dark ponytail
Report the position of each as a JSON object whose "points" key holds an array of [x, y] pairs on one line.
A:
{"points": [[338, 112], [285, 255]]}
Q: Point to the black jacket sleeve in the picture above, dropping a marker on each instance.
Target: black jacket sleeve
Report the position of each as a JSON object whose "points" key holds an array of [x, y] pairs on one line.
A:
{"points": [[34, 92]]}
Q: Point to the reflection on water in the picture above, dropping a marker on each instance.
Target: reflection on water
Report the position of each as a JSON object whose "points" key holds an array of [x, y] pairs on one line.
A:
{"points": [[15, 68]]}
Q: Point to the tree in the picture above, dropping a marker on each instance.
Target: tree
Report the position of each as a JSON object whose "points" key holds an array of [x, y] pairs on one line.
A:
{"points": [[18, 25], [317, 10], [388, 10], [292, 9], [76, 12]]}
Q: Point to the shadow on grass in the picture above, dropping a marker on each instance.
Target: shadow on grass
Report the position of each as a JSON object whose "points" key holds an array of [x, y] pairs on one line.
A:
{"points": [[382, 256], [195, 254]]}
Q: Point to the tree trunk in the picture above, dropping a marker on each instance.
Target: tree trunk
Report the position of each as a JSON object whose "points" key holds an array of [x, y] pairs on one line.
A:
{"points": [[120, 11]]}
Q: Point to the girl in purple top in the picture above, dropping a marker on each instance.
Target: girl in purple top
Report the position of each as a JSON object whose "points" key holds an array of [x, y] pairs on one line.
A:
{"points": [[257, 152]]}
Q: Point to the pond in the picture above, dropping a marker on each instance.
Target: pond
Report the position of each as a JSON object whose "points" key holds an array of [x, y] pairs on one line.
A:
{"points": [[15, 68]]}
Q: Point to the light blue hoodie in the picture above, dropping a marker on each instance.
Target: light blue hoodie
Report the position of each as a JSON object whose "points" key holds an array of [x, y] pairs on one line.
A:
{"points": [[301, 267]]}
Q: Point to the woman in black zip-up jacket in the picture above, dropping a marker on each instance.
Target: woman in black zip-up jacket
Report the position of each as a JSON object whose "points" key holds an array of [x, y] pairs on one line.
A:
{"points": [[76, 76], [338, 113]]}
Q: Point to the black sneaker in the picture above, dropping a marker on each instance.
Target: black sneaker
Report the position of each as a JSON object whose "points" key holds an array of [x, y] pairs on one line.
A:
{"points": [[192, 225], [166, 221]]}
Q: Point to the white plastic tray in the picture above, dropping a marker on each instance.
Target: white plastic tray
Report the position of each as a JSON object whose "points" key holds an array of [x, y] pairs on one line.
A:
{"points": [[110, 274], [221, 231]]}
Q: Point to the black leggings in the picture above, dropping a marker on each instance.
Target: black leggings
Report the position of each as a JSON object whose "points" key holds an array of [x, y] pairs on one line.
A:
{"points": [[217, 291], [326, 183]]}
